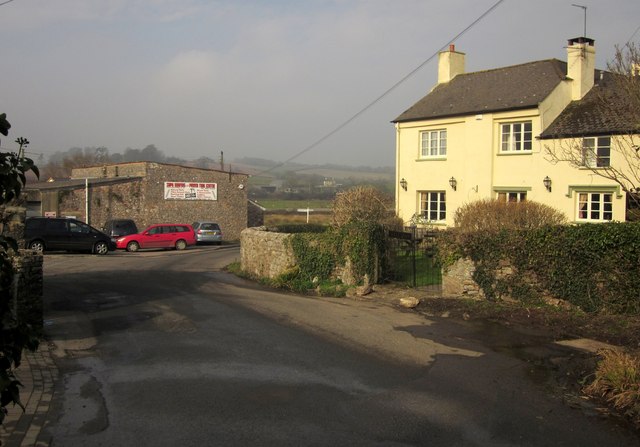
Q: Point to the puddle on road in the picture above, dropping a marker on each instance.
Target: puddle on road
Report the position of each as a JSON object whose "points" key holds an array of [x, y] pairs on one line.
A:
{"points": [[546, 362]]}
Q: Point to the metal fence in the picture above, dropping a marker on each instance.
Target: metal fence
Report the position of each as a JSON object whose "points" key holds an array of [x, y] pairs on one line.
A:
{"points": [[411, 257]]}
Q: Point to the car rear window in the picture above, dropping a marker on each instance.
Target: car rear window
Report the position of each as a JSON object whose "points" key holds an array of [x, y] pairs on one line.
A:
{"points": [[123, 226], [210, 227], [35, 224], [56, 225]]}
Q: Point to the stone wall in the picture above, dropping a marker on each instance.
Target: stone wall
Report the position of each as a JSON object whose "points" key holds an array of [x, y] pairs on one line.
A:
{"points": [[27, 264], [12, 218], [457, 280], [265, 254]]}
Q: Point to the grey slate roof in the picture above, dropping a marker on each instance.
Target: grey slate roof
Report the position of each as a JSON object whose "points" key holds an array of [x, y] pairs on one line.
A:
{"points": [[602, 111], [509, 88]]}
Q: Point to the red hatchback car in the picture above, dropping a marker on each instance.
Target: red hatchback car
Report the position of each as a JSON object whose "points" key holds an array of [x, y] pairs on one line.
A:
{"points": [[178, 236]]}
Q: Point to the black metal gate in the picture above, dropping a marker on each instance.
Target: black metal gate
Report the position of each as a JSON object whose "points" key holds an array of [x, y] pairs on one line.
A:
{"points": [[411, 257]]}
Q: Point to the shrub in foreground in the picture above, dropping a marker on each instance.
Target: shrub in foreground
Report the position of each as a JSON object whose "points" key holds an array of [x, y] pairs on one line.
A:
{"points": [[363, 204], [495, 215], [617, 381]]}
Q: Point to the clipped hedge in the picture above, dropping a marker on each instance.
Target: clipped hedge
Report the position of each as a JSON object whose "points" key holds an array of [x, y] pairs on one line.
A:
{"points": [[593, 266]]}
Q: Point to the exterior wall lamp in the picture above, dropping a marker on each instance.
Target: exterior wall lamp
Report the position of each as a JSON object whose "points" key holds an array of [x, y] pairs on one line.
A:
{"points": [[453, 183], [547, 183], [403, 183]]}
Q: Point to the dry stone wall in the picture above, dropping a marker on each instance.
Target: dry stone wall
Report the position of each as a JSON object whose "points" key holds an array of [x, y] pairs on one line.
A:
{"points": [[27, 264], [265, 254], [12, 218], [457, 280], [28, 267]]}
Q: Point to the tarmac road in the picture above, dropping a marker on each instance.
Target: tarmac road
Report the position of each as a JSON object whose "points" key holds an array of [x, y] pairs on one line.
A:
{"points": [[162, 348]]}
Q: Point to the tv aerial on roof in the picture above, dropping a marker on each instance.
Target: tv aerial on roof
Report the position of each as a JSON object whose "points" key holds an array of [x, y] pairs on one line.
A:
{"points": [[584, 8]]}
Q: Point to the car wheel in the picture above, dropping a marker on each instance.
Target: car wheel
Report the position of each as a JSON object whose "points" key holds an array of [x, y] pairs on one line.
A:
{"points": [[37, 246], [181, 245], [133, 246], [101, 248]]}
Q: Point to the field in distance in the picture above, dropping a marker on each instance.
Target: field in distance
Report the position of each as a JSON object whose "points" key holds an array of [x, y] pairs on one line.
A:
{"points": [[283, 204]]}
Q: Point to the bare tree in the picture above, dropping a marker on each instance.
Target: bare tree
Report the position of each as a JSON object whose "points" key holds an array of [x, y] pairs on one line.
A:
{"points": [[611, 110], [362, 204]]}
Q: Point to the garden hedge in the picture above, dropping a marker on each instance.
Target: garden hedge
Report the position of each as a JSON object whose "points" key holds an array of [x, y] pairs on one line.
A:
{"points": [[593, 266]]}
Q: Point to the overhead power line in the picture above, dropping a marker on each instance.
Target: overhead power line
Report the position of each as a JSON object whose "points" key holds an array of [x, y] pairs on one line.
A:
{"points": [[633, 35], [389, 90], [4, 3]]}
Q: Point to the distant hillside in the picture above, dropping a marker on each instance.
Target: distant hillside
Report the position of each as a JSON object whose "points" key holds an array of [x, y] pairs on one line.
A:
{"points": [[269, 168]]}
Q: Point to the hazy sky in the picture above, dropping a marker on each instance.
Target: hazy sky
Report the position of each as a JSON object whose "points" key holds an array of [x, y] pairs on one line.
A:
{"points": [[263, 78]]}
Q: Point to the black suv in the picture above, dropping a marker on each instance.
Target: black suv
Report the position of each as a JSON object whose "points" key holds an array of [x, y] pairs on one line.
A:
{"points": [[115, 228], [50, 234]]}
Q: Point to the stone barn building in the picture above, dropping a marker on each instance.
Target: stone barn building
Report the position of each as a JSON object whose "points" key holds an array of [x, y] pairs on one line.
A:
{"points": [[148, 193]]}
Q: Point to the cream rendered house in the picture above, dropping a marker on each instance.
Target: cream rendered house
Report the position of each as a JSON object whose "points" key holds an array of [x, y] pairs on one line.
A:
{"points": [[485, 135]]}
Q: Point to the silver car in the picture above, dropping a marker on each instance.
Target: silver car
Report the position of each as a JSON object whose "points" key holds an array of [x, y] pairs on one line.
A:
{"points": [[207, 232]]}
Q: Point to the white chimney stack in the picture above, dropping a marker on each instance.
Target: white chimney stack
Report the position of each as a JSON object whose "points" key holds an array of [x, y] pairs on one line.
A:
{"points": [[450, 64], [581, 60]]}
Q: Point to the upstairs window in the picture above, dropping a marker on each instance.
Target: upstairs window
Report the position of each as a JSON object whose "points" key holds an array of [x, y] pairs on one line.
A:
{"points": [[515, 137], [433, 206], [596, 152], [433, 143], [595, 206]]}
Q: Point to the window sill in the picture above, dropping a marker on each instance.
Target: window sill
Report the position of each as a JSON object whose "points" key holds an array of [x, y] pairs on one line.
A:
{"points": [[591, 168], [510, 153], [439, 223], [431, 159], [591, 221]]}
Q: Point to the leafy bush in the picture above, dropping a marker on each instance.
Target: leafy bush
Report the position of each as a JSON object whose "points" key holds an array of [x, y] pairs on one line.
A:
{"points": [[593, 266], [495, 215], [15, 334], [318, 256]]}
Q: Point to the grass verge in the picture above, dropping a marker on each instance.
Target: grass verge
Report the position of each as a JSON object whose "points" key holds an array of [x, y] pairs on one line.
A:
{"points": [[617, 382]]}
